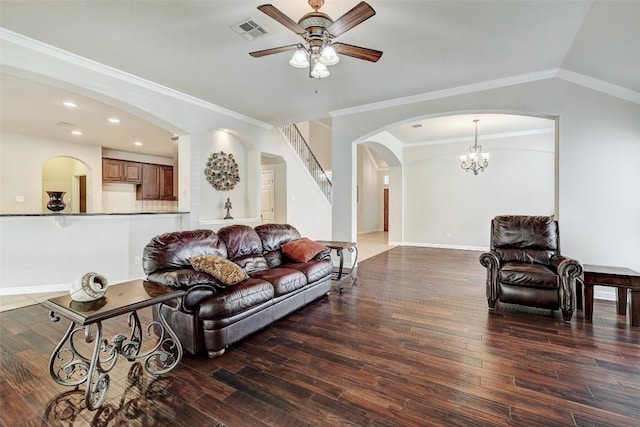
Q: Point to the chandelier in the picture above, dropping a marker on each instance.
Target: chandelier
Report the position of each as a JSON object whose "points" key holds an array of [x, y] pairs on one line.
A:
{"points": [[476, 161]]}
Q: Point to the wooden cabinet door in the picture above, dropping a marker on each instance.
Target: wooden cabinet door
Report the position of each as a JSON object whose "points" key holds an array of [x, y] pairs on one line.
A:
{"points": [[150, 182], [166, 183], [132, 172], [112, 170]]}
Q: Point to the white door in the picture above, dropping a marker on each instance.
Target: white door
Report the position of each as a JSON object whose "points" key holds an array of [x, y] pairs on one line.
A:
{"points": [[266, 185]]}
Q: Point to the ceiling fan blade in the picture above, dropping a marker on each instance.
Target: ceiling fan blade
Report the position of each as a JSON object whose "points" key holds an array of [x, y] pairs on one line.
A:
{"points": [[360, 12], [357, 52], [276, 14], [261, 53]]}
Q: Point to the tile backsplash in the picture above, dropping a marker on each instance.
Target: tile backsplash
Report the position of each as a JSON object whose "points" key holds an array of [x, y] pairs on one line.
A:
{"points": [[156, 206]]}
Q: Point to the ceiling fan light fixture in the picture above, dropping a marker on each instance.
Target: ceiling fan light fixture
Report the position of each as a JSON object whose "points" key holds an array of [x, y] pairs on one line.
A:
{"points": [[329, 55], [320, 71], [299, 59]]}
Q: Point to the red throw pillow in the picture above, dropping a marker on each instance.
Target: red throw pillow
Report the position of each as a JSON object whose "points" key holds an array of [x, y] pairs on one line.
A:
{"points": [[302, 250]]}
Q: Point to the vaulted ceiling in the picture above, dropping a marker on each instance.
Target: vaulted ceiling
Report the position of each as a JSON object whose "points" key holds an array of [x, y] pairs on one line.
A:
{"points": [[428, 46]]}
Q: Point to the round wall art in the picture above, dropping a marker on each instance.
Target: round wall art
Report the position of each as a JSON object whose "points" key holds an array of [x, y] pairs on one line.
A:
{"points": [[222, 171]]}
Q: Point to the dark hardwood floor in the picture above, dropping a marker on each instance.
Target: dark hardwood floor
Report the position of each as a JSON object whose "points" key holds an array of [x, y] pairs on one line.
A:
{"points": [[412, 344]]}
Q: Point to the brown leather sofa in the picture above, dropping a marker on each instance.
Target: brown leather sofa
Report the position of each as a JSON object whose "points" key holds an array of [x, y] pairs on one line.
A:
{"points": [[524, 265], [211, 316]]}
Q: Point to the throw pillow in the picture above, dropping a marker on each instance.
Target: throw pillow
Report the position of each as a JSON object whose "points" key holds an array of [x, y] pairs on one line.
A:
{"points": [[226, 272], [302, 250]]}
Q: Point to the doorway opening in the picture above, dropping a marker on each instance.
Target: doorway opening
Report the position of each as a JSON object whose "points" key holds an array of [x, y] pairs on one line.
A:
{"points": [[70, 176]]}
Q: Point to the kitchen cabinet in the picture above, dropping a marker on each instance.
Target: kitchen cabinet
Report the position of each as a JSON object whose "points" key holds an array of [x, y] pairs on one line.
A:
{"points": [[157, 183], [166, 183], [114, 170]]}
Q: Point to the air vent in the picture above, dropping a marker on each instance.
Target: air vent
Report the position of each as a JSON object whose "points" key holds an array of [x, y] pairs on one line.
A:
{"points": [[67, 125], [249, 29]]}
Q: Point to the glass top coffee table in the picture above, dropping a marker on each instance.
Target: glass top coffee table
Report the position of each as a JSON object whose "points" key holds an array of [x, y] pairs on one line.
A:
{"points": [[72, 365]]}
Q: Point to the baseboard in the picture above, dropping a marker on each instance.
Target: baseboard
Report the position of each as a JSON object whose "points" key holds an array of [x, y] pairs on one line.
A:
{"points": [[441, 246], [47, 289], [604, 293]]}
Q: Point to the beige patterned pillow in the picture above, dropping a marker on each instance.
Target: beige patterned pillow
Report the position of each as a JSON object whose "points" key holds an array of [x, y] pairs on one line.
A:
{"points": [[226, 272]]}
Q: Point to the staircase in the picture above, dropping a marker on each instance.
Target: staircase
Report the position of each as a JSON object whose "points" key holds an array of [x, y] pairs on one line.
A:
{"points": [[300, 146]]}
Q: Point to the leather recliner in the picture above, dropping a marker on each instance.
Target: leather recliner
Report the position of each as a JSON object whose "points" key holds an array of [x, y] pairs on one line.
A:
{"points": [[524, 265]]}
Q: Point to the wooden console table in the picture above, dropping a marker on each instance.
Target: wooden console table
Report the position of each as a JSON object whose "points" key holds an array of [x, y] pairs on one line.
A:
{"points": [[619, 277], [339, 247], [70, 366]]}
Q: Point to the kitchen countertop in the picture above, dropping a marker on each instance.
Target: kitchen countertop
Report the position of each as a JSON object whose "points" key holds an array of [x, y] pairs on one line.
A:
{"points": [[93, 214]]}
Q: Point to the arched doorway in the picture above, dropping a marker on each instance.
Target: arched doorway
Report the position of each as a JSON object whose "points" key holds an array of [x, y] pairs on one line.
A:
{"points": [[441, 205], [70, 176]]}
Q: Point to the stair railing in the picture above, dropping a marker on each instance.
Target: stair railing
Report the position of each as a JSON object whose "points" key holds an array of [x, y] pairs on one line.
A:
{"points": [[300, 146]]}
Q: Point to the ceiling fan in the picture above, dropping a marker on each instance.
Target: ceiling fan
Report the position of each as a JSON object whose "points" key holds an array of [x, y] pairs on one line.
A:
{"points": [[318, 31]]}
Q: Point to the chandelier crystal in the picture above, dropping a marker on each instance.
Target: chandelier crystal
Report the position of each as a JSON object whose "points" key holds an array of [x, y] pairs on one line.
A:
{"points": [[476, 161]]}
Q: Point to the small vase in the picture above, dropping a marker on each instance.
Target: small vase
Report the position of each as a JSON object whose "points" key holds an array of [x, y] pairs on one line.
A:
{"points": [[56, 204], [90, 287]]}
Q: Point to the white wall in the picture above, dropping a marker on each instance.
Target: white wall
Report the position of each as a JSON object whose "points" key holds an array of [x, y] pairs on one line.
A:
{"points": [[598, 151], [22, 158], [213, 200], [40, 254], [307, 209], [447, 206], [370, 193], [320, 143]]}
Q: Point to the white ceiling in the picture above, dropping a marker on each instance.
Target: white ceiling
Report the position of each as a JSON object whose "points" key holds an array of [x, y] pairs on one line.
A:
{"points": [[428, 46]]}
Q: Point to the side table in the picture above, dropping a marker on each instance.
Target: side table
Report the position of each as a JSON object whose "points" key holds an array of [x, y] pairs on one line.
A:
{"points": [[619, 277], [70, 367], [339, 247]]}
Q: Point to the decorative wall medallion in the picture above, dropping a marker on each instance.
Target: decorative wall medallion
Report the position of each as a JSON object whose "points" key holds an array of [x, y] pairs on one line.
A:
{"points": [[222, 171]]}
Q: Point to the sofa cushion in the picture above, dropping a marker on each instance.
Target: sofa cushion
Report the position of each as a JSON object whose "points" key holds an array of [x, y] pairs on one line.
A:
{"points": [[244, 247], [273, 236], [172, 250], [226, 272], [284, 280], [302, 250], [181, 278], [235, 299], [524, 238], [314, 270], [532, 275]]}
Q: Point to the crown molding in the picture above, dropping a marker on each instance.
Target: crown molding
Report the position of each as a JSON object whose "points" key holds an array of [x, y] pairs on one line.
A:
{"points": [[97, 67], [445, 93], [570, 76], [470, 138], [600, 85]]}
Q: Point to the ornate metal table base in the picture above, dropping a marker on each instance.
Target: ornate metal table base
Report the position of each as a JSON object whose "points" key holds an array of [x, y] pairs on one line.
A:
{"points": [[339, 247], [69, 367], [73, 363]]}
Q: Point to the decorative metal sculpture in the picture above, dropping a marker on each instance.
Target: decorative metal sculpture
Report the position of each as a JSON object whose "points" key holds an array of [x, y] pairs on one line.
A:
{"points": [[222, 171], [228, 206]]}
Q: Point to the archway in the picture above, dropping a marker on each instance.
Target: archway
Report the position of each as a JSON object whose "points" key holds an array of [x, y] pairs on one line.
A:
{"points": [[441, 205], [70, 176]]}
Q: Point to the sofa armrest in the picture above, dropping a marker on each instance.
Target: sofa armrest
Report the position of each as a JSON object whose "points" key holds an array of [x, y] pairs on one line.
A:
{"points": [[323, 255], [197, 294], [569, 270], [199, 286], [491, 261]]}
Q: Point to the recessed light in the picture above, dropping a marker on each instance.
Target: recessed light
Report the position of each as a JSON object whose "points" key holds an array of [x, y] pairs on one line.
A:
{"points": [[76, 132], [114, 120], [137, 143], [70, 104]]}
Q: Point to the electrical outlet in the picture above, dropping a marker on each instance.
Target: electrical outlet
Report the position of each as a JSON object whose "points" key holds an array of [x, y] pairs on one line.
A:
{"points": [[19, 199], [136, 260], [448, 235]]}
